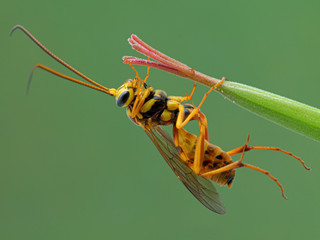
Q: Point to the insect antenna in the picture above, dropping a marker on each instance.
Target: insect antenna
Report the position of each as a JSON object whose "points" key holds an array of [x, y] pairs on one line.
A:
{"points": [[108, 91], [54, 57]]}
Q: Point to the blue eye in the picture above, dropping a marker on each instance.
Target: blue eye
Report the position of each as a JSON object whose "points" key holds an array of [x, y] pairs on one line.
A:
{"points": [[123, 98]]}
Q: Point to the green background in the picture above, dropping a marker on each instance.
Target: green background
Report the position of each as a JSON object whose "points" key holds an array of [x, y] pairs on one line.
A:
{"points": [[73, 167]]}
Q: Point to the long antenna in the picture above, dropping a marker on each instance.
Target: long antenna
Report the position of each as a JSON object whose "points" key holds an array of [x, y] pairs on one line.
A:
{"points": [[54, 56], [111, 91]]}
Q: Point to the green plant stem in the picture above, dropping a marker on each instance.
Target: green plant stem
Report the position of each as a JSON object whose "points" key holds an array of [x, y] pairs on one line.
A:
{"points": [[288, 113]]}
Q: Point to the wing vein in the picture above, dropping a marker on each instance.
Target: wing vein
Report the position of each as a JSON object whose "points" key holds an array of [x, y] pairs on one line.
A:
{"points": [[201, 188]]}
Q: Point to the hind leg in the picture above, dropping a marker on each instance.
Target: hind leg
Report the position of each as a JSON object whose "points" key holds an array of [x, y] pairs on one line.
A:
{"points": [[248, 148], [239, 164]]}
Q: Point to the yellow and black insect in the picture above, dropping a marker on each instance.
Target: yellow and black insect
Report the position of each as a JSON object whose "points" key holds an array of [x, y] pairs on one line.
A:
{"points": [[193, 159]]}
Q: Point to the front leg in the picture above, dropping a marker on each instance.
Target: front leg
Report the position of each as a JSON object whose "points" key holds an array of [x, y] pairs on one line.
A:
{"points": [[138, 103]]}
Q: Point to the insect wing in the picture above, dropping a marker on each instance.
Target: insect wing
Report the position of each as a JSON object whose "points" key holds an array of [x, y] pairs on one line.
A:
{"points": [[202, 188]]}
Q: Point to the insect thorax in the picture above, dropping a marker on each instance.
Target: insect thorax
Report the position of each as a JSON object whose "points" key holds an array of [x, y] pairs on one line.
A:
{"points": [[157, 109]]}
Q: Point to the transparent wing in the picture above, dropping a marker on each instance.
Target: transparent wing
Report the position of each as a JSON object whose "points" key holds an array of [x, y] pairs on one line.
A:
{"points": [[202, 188]]}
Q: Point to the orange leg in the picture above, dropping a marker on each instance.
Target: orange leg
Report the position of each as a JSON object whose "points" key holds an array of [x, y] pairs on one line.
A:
{"points": [[239, 164], [199, 152], [180, 123], [139, 99], [137, 74], [175, 133], [195, 114], [138, 87], [203, 121], [269, 175], [187, 97], [199, 148], [147, 76], [248, 148], [141, 85]]}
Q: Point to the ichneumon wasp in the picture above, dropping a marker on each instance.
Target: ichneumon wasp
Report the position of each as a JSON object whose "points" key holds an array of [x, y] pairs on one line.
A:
{"points": [[192, 158]]}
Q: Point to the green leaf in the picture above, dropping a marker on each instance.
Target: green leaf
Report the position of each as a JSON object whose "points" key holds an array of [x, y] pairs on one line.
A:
{"points": [[288, 113]]}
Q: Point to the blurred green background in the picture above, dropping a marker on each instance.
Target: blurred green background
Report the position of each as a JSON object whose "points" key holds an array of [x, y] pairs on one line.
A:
{"points": [[73, 167]]}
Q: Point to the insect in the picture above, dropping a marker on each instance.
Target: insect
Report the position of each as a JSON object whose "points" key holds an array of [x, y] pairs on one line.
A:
{"points": [[193, 159]]}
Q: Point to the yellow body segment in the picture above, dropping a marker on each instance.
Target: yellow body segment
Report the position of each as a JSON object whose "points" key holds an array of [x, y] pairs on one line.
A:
{"points": [[213, 158], [166, 116], [147, 106], [172, 105]]}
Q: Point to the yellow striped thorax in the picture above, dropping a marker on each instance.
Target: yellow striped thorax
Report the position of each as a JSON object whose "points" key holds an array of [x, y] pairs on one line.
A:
{"points": [[154, 106], [154, 103]]}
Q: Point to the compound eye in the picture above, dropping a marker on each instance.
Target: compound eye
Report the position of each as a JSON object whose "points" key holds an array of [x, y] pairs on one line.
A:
{"points": [[123, 98]]}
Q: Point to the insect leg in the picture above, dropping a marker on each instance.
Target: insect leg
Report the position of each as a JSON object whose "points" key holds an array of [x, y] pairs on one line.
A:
{"points": [[140, 101], [248, 148], [180, 122], [269, 175], [211, 89], [196, 114], [199, 145], [175, 134], [137, 74], [147, 76], [199, 151], [187, 97], [139, 88], [241, 149], [228, 167], [239, 164], [203, 121]]}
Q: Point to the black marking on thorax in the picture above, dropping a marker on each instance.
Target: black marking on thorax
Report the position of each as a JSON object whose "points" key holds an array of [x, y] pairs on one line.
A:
{"points": [[158, 100]]}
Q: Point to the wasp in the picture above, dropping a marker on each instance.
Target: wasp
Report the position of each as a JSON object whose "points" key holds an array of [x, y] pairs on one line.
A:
{"points": [[193, 159]]}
